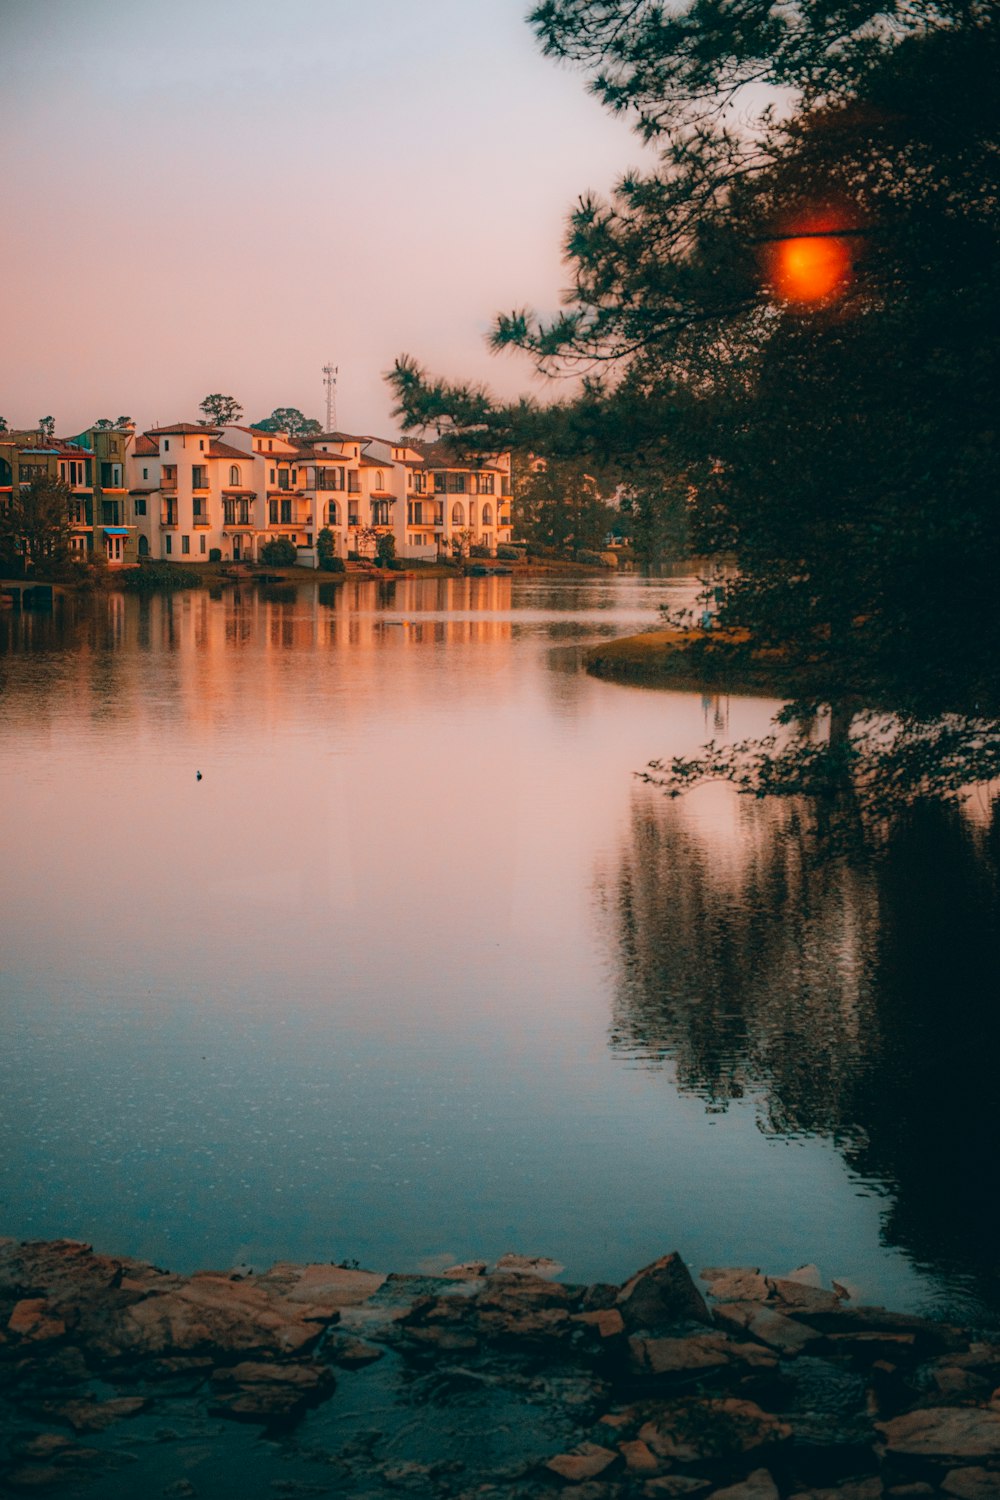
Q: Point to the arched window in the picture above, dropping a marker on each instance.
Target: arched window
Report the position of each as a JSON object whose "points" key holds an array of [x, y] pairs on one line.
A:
{"points": [[487, 515], [334, 512], [458, 514], [234, 475], [379, 480]]}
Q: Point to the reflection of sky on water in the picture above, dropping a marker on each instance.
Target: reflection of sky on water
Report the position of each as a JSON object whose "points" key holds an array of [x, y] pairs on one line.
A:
{"points": [[351, 994]]}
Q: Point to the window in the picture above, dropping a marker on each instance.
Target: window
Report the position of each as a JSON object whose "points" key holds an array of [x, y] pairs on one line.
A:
{"points": [[200, 514], [169, 545], [272, 512], [145, 473], [140, 507], [270, 446], [185, 544], [456, 484], [272, 479], [353, 482], [201, 544], [286, 512], [420, 483], [333, 513], [504, 485], [282, 479], [380, 512], [234, 475], [458, 514], [166, 445], [487, 515], [379, 480], [199, 477], [201, 444], [111, 476], [486, 484], [440, 484]]}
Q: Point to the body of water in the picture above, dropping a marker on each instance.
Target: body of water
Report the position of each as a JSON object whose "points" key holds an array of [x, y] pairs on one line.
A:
{"points": [[418, 972]]}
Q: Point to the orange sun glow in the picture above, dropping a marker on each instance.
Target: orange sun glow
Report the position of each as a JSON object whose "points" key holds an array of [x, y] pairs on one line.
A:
{"points": [[810, 268]]}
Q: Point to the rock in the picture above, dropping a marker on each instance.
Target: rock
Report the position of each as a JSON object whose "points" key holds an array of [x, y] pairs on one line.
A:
{"points": [[854, 1489], [606, 1322], [757, 1486], [529, 1265], [44, 1445], [662, 1294], [804, 1298], [325, 1286], [699, 1428], [764, 1324], [680, 1356], [213, 1312], [468, 1270], [972, 1484], [584, 1462], [944, 1432], [32, 1319], [95, 1416], [867, 1349], [257, 1391], [449, 1340], [32, 1480], [352, 1354], [807, 1275], [737, 1284], [951, 1380], [638, 1458], [671, 1485]]}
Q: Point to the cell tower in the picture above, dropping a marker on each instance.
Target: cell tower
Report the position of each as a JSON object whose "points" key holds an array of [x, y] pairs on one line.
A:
{"points": [[330, 381]]}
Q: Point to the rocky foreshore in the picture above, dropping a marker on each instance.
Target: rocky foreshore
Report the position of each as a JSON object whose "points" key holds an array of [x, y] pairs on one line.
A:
{"points": [[119, 1379]]}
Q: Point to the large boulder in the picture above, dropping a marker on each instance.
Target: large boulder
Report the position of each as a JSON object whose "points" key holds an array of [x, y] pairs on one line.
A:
{"points": [[661, 1295]]}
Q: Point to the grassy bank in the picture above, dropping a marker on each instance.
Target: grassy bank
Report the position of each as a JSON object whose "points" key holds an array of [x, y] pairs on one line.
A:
{"points": [[695, 659]]}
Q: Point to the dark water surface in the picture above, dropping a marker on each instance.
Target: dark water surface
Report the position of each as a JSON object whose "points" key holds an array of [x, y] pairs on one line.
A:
{"points": [[418, 971]]}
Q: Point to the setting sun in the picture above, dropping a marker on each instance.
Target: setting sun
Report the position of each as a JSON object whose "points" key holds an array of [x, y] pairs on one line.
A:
{"points": [[811, 267]]}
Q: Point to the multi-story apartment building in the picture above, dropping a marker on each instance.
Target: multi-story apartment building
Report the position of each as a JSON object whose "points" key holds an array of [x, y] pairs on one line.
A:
{"points": [[196, 490]]}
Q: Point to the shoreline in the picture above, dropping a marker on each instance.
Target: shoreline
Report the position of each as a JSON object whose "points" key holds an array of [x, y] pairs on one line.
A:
{"points": [[118, 1378]]}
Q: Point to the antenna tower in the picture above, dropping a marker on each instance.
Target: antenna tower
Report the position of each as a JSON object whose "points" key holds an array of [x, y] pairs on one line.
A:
{"points": [[330, 381]]}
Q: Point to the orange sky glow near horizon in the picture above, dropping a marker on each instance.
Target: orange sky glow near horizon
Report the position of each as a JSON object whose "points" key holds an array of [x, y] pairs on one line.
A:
{"points": [[224, 198]]}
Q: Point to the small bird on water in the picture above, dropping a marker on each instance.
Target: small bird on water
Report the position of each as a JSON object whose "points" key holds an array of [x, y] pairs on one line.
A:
{"points": [[197, 775]]}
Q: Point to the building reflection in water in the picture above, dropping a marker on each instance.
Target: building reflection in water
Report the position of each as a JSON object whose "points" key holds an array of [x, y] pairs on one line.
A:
{"points": [[852, 999]]}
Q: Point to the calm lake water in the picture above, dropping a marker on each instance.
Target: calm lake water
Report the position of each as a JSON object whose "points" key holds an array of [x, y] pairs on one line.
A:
{"points": [[419, 972]]}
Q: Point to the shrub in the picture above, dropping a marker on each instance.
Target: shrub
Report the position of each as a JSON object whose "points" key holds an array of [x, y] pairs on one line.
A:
{"points": [[508, 553], [279, 552], [160, 575], [326, 552], [397, 564], [480, 551], [385, 548], [591, 559]]}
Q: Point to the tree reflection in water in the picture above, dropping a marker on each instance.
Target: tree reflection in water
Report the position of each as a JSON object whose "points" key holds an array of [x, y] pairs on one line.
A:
{"points": [[855, 998]]}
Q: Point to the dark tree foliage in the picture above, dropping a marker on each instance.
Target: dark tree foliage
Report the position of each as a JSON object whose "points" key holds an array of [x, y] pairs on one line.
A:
{"points": [[34, 527], [219, 409], [559, 505], [843, 448], [289, 419]]}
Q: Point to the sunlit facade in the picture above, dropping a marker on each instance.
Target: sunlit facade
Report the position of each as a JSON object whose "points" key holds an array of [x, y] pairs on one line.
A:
{"points": [[220, 493]]}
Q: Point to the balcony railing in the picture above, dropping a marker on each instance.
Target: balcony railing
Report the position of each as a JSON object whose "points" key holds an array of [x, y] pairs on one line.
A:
{"points": [[168, 481], [200, 521], [168, 516]]}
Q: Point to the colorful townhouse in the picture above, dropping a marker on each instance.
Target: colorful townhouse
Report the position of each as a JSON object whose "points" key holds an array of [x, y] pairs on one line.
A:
{"points": [[93, 466]]}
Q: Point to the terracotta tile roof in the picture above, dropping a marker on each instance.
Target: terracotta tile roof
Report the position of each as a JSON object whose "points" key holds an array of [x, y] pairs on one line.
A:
{"points": [[184, 427], [364, 462], [225, 450], [145, 447]]}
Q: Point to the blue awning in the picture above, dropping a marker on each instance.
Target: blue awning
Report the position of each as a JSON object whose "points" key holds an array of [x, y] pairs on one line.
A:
{"points": [[115, 530]]}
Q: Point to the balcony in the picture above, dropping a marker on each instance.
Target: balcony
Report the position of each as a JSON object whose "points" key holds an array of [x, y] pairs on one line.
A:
{"points": [[168, 481], [200, 521], [168, 515]]}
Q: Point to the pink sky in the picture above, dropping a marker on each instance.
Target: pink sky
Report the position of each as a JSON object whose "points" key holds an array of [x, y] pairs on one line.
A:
{"points": [[221, 195]]}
